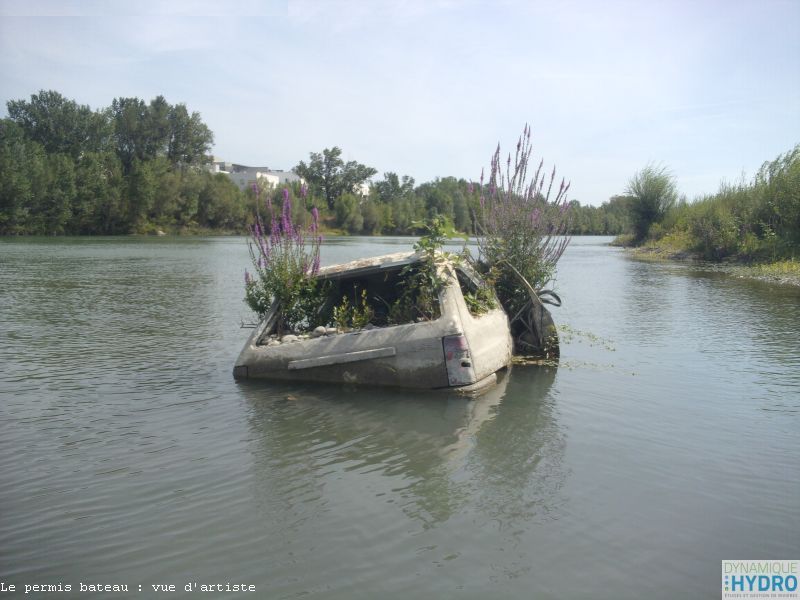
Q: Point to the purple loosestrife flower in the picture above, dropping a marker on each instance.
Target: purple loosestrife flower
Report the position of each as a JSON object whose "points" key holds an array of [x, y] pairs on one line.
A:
{"points": [[274, 227], [518, 222], [470, 188], [303, 190], [247, 278], [286, 215], [284, 259], [314, 219], [263, 246]]}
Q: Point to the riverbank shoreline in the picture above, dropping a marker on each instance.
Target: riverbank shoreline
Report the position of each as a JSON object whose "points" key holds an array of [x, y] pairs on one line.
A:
{"points": [[785, 272]]}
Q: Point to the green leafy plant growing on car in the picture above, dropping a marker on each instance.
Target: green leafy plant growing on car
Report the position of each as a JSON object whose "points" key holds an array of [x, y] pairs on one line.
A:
{"points": [[358, 315], [422, 281], [481, 301]]}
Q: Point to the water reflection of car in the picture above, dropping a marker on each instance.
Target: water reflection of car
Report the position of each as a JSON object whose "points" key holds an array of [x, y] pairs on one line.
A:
{"points": [[457, 349]]}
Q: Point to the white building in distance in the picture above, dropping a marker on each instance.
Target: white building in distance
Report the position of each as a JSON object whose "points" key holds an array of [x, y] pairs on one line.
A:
{"points": [[245, 177]]}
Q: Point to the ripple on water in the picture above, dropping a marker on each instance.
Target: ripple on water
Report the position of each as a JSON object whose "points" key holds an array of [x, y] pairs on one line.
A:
{"points": [[127, 448]]}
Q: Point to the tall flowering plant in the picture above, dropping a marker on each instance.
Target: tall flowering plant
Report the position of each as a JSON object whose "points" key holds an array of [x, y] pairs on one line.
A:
{"points": [[522, 225], [285, 258]]}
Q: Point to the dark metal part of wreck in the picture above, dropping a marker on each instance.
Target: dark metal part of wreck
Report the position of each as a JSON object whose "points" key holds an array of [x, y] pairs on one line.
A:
{"points": [[532, 328]]}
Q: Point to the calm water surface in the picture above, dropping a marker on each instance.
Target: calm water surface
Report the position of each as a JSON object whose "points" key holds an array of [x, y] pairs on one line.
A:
{"points": [[667, 439]]}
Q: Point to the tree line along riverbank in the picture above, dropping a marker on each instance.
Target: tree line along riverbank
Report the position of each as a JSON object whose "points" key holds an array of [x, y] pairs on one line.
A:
{"points": [[139, 167], [142, 167]]}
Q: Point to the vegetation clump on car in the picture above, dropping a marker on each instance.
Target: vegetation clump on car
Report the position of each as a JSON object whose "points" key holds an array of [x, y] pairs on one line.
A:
{"points": [[286, 261], [523, 230], [522, 235]]}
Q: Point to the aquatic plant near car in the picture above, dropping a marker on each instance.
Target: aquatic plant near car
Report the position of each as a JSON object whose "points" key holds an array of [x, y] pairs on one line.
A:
{"points": [[286, 259]]}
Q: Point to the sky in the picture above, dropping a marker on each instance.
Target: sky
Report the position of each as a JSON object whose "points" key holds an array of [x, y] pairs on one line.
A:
{"points": [[428, 88]]}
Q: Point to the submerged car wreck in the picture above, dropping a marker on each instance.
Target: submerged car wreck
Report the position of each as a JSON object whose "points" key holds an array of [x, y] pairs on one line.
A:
{"points": [[456, 347]]}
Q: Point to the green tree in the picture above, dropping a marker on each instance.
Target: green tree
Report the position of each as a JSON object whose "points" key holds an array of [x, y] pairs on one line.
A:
{"points": [[145, 132], [652, 193], [156, 128], [97, 207], [461, 213], [61, 125], [348, 213], [407, 211], [391, 188], [778, 185], [190, 140], [22, 161], [54, 196], [130, 136], [142, 191], [220, 204], [330, 176], [371, 217], [437, 200], [67, 169], [449, 197], [398, 202], [616, 215], [188, 198]]}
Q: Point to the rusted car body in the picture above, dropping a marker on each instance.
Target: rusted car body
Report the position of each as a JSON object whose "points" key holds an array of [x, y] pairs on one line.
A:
{"points": [[458, 349]]}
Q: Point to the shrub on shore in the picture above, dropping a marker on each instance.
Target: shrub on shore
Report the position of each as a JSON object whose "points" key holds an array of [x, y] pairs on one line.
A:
{"points": [[652, 193], [756, 221]]}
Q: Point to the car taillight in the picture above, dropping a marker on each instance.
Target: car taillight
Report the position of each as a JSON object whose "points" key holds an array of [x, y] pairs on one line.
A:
{"points": [[458, 360]]}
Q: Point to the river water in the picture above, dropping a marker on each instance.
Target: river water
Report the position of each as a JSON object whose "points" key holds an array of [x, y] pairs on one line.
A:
{"points": [[667, 440]]}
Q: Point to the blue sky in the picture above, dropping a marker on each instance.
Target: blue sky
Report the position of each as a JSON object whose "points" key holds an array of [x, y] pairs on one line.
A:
{"points": [[428, 88]]}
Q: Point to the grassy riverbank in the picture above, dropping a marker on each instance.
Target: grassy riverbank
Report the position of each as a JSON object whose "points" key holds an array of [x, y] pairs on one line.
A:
{"points": [[750, 229], [784, 272]]}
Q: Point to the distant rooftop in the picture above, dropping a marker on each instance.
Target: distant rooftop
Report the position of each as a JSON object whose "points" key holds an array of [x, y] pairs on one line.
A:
{"points": [[244, 176]]}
